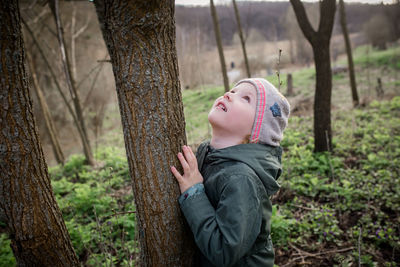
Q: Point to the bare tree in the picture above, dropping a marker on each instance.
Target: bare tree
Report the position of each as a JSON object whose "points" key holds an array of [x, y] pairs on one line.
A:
{"points": [[246, 61], [58, 86], [343, 23], [320, 41], [140, 37], [54, 6], [27, 204], [219, 45], [51, 130]]}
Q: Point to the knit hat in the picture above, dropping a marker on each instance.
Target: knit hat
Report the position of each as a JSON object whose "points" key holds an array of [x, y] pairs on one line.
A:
{"points": [[272, 112]]}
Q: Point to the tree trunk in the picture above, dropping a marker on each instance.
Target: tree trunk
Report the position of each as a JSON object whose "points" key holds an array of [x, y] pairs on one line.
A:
{"points": [[219, 45], [343, 23], [140, 37], [70, 81], [289, 85], [246, 61], [322, 99], [51, 130], [320, 41], [27, 204]]}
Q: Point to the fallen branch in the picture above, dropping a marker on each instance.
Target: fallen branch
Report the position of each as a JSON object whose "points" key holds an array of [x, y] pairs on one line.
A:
{"points": [[304, 208], [304, 254]]}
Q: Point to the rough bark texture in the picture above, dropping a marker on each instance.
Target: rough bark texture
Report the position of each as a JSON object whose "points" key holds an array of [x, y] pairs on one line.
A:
{"points": [[343, 23], [140, 37], [320, 41], [51, 130], [27, 204], [219, 45], [246, 61], [54, 6]]}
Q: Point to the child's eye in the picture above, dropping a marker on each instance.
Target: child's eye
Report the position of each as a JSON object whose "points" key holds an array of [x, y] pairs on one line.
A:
{"points": [[247, 98]]}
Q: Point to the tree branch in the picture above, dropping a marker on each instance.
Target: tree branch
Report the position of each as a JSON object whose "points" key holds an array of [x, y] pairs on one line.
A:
{"points": [[327, 17], [303, 21]]}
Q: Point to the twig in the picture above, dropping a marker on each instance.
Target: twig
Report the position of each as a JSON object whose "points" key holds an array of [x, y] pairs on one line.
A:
{"points": [[304, 208], [88, 75], [278, 71], [299, 252], [85, 103], [308, 254], [305, 254]]}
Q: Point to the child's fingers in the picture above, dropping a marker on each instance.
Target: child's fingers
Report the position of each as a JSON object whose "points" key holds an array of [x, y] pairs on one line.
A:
{"points": [[177, 175], [183, 161], [190, 157]]}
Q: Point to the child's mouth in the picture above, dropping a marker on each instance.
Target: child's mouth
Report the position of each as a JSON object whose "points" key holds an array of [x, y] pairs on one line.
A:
{"points": [[221, 106]]}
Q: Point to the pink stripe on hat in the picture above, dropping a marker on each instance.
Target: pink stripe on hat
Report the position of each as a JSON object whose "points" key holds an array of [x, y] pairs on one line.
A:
{"points": [[261, 110]]}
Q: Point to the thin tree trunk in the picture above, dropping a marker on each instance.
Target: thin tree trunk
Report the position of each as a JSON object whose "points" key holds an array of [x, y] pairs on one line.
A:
{"points": [[51, 130], [140, 37], [343, 23], [322, 99], [219, 45], [289, 85], [246, 61], [320, 41], [71, 111], [27, 204], [70, 81]]}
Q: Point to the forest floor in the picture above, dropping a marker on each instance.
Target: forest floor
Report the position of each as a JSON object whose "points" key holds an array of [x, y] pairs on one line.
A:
{"points": [[333, 209]]}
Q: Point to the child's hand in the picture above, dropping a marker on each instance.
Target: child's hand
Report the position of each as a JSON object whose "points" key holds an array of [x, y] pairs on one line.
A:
{"points": [[191, 174]]}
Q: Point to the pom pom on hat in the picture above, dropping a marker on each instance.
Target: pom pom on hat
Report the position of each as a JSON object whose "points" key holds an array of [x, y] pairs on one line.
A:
{"points": [[272, 112]]}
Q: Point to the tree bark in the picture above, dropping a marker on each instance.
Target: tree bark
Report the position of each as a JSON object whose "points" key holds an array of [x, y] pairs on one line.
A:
{"points": [[51, 130], [320, 41], [246, 61], [219, 45], [352, 77], [140, 37], [27, 204], [70, 81]]}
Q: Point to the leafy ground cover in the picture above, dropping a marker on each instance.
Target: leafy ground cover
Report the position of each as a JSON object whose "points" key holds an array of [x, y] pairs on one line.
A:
{"points": [[333, 209], [342, 207], [97, 207]]}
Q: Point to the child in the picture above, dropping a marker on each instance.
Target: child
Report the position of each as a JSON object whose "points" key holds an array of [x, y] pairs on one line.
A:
{"points": [[226, 190]]}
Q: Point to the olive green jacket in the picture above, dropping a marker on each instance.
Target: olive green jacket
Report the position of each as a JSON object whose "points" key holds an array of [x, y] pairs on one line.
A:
{"points": [[231, 218]]}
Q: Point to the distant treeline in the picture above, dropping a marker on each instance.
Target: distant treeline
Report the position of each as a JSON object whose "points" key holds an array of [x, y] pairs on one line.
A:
{"points": [[270, 18]]}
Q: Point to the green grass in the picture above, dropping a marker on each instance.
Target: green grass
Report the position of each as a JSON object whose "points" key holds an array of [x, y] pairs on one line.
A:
{"points": [[367, 56]]}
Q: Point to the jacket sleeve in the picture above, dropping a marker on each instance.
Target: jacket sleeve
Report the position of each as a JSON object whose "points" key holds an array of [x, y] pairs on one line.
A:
{"points": [[225, 234]]}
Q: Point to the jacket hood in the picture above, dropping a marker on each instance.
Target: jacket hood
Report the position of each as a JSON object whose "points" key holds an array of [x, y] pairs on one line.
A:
{"points": [[265, 160]]}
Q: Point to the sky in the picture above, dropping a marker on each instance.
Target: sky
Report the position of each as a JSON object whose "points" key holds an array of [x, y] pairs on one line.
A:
{"points": [[207, 2]]}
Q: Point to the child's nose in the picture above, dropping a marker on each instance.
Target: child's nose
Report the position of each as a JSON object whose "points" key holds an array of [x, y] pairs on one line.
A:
{"points": [[227, 95]]}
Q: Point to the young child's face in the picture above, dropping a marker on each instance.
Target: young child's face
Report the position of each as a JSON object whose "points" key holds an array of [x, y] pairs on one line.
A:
{"points": [[234, 112]]}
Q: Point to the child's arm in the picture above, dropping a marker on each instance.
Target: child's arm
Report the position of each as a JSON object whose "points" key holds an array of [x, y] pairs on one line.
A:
{"points": [[226, 233]]}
